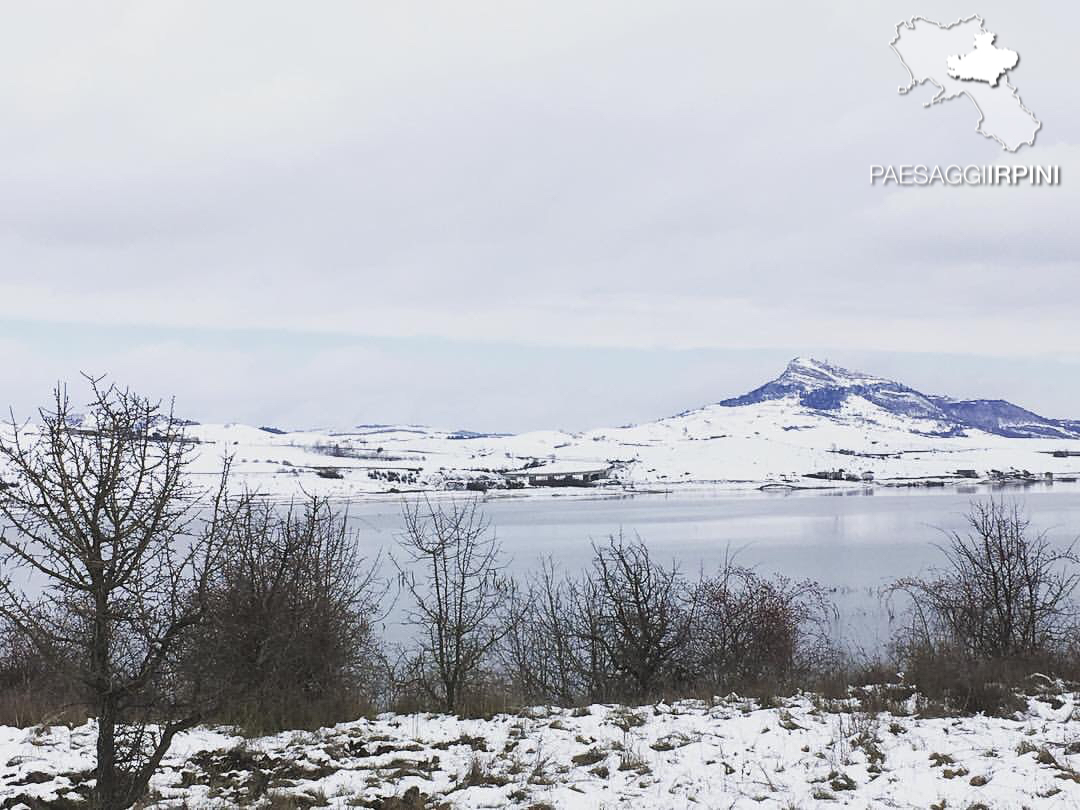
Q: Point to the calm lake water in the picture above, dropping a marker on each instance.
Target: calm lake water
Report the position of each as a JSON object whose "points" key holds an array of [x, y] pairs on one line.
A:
{"points": [[853, 542]]}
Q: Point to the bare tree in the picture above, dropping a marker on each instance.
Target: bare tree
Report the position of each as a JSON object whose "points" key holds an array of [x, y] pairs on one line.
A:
{"points": [[635, 616], [452, 568], [1004, 593], [630, 628], [752, 630], [541, 652], [116, 550], [290, 633], [618, 631]]}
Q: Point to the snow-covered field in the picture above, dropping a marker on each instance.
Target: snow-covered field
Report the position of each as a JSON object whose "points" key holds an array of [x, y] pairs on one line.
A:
{"points": [[730, 753], [813, 418], [727, 447]]}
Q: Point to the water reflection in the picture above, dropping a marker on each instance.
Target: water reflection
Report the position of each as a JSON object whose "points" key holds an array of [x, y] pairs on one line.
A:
{"points": [[847, 540]]}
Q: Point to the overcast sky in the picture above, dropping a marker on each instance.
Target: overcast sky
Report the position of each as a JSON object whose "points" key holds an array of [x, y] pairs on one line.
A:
{"points": [[511, 215]]}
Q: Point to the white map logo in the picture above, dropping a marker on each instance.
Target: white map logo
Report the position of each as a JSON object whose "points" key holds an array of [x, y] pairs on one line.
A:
{"points": [[961, 58]]}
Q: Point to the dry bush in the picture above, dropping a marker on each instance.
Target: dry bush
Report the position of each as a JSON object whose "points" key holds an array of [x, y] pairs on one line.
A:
{"points": [[751, 631], [620, 631], [543, 657], [289, 640], [32, 690], [630, 628], [960, 684], [636, 618], [1003, 593], [999, 609]]}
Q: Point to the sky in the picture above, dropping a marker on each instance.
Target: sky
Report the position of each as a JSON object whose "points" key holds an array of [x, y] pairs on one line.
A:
{"points": [[508, 216]]}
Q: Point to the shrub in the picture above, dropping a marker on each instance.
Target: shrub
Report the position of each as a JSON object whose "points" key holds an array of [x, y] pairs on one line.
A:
{"points": [[289, 640], [631, 629], [1004, 593], [635, 616], [31, 690], [999, 609], [750, 631]]}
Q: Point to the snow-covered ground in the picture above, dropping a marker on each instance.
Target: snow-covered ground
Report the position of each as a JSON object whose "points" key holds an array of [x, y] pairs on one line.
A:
{"points": [[728, 447], [814, 418], [729, 753]]}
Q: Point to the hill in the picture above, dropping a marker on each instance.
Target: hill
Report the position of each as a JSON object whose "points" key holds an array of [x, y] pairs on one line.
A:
{"points": [[814, 425]]}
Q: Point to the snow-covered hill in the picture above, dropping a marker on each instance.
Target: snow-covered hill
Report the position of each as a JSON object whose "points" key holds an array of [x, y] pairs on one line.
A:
{"points": [[813, 420], [814, 425]]}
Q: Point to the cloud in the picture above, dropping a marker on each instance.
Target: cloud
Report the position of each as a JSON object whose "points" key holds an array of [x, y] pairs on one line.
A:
{"points": [[624, 175]]}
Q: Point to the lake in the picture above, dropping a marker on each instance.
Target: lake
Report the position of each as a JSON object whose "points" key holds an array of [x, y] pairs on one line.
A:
{"points": [[852, 541]]}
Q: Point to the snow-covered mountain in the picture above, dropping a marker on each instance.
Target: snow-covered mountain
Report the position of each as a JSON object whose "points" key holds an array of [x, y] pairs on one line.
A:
{"points": [[811, 425], [814, 425], [824, 387]]}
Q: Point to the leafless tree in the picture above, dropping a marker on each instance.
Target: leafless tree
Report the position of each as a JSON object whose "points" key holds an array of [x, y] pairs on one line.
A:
{"points": [[1004, 592], [290, 631], [635, 617], [452, 567], [541, 653], [752, 630], [115, 549], [629, 628], [617, 631]]}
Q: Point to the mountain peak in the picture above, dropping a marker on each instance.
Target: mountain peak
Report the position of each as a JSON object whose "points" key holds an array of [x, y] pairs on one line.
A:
{"points": [[808, 373], [822, 386]]}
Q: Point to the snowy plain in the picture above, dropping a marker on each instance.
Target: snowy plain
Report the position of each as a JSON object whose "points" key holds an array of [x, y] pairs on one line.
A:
{"points": [[726, 753]]}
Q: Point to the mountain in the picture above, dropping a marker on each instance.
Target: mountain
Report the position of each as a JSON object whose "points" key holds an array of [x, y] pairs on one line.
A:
{"points": [[814, 425], [824, 387]]}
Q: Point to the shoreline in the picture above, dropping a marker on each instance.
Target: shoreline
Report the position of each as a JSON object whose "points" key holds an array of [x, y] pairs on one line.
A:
{"points": [[718, 489]]}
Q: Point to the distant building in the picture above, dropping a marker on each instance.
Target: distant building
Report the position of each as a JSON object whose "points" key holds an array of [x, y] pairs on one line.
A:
{"points": [[830, 475], [967, 473], [561, 474]]}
